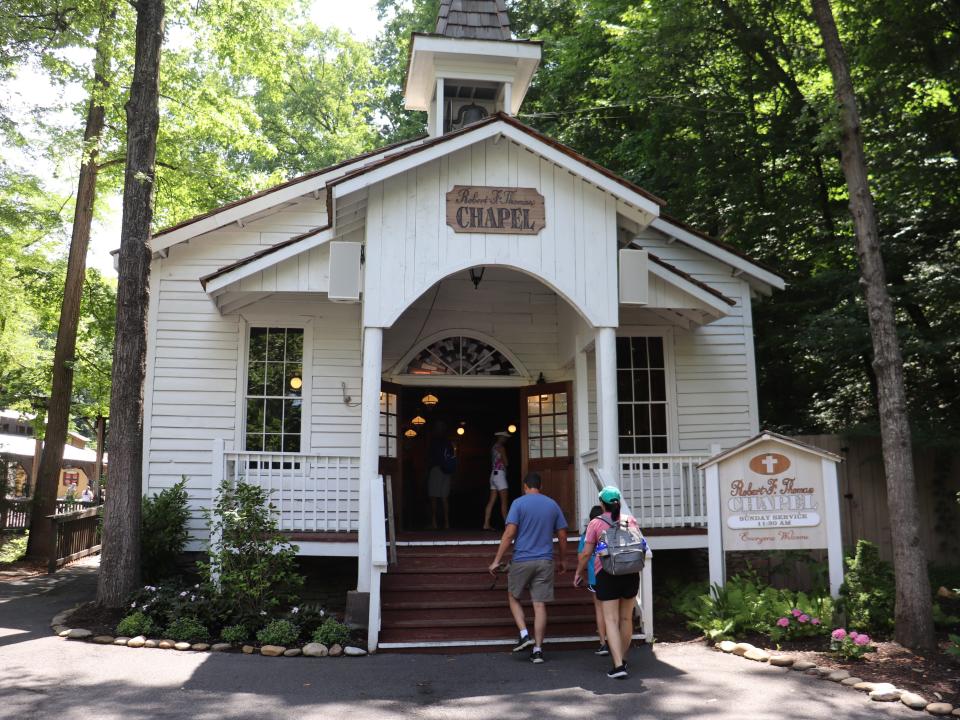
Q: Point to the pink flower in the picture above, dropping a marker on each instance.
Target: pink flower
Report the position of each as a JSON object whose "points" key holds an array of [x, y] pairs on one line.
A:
{"points": [[853, 634], [815, 621], [861, 640], [783, 622], [838, 634], [796, 612], [803, 618]]}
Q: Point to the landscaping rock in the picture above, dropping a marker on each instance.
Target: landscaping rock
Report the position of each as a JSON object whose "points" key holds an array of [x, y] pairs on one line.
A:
{"points": [[781, 661], [336, 651], [181, 646], [913, 701], [272, 650], [351, 651], [166, 644], [63, 633], [59, 629], [78, 634], [802, 665], [292, 652], [121, 641], [315, 650], [865, 686], [200, 647], [824, 671], [221, 647], [103, 639], [137, 642], [247, 649], [956, 712], [939, 708], [885, 692], [727, 646], [741, 648], [757, 654], [851, 681], [813, 672], [151, 644], [838, 675]]}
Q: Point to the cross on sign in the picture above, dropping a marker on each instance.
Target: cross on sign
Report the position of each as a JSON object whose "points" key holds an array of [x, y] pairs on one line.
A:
{"points": [[769, 462]]}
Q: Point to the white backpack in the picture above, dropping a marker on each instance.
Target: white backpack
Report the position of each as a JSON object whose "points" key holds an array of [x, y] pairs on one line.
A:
{"points": [[622, 548]]}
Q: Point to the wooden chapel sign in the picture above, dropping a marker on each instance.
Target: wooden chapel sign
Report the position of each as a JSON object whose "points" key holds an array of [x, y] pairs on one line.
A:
{"points": [[484, 209]]}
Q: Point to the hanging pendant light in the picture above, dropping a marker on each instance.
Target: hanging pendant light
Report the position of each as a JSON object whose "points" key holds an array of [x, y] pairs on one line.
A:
{"points": [[429, 400], [418, 420], [410, 433], [511, 428]]}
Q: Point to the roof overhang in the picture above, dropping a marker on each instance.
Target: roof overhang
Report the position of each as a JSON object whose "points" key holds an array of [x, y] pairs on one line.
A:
{"points": [[718, 304], [436, 56], [764, 436]]}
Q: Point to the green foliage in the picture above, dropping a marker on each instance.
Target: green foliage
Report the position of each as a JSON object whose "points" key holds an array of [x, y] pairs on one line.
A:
{"points": [[798, 624], [12, 547], [850, 646], [954, 647], [252, 565], [235, 633], [867, 595], [187, 629], [167, 603], [942, 618], [136, 623], [278, 632], [163, 532], [331, 632]]}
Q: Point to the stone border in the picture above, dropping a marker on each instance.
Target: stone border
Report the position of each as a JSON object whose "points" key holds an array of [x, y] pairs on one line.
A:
{"points": [[879, 692], [308, 650]]}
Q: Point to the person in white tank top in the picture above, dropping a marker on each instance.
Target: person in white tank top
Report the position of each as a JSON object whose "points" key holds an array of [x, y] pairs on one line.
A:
{"points": [[498, 479]]}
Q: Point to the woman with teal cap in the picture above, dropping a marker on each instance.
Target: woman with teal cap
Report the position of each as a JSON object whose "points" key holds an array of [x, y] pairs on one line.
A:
{"points": [[617, 593]]}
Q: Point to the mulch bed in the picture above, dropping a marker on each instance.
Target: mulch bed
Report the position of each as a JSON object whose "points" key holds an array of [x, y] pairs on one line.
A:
{"points": [[99, 620]]}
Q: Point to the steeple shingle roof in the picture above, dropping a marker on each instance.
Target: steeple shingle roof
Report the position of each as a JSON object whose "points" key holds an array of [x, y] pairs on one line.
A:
{"points": [[474, 19]]}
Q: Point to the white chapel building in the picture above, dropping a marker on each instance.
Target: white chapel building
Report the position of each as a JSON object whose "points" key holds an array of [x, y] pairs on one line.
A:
{"points": [[315, 338]]}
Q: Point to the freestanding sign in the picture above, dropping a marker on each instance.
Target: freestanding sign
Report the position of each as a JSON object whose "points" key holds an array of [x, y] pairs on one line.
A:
{"points": [[773, 493], [504, 210]]}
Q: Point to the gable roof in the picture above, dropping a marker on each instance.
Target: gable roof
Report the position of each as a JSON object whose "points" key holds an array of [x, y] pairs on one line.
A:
{"points": [[477, 19], [691, 279], [764, 435]]}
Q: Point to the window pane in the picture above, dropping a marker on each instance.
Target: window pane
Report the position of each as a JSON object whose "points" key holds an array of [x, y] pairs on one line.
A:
{"points": [[625, 424], [273, 420], [254, 442], [383, 446], [255, 415], [547, 448], [391, 403], [294, 345], [660, 445], [533, 405], [658, 419], [383, 401], [658, 385], [641, 414], [392, 425], [533, 427], [656, 352], [640, 359], [293, 379], [534, 449], [561, 403], [272, 443], [623, 352], [626, 446], [291, 417], [274, 385], [546, 425], [291, 443], [383, 424], [563, 448], [624, 385], [643, 445], [275, 344], [561, 425], [256, 377], [546, 404], [258, 344], [641, 388]]}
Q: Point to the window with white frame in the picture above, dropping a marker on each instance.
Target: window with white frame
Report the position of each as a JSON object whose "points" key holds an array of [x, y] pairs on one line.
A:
{"points": [[641, 395], [274, 402]]}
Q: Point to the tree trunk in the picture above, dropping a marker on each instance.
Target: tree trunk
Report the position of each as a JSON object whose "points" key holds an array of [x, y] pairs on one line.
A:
{"points": [[914, 616], [41, 542], [120, 563]]}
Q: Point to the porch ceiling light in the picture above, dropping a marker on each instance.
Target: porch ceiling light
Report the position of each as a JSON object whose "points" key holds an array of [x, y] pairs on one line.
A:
{"points": [[410, 433], [418, 420], [296, 383], [429, 400], [460, 431], [511, 428]]}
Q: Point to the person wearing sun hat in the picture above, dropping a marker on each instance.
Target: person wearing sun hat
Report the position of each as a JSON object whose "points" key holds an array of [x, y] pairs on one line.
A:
{"points": [[617, 593], [498, 478]]}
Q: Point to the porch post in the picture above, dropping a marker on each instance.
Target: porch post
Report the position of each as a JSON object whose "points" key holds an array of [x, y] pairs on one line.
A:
{"points": [[369, 445], [581, 406], [605, 347], [715, 551]]}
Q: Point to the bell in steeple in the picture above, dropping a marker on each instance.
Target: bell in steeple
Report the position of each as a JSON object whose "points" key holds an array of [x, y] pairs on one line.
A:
{"points": [[470, 67]]}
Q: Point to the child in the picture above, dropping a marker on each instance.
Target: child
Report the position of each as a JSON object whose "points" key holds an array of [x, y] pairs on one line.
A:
{"points": [[595, 511]]}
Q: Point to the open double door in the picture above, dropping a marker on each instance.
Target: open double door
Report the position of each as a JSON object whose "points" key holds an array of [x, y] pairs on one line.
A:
{"points": [[546, 441]]}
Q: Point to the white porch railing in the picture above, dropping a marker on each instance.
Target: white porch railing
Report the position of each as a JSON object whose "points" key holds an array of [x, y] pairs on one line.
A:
{"points": [[665, 491], [312, 493]]}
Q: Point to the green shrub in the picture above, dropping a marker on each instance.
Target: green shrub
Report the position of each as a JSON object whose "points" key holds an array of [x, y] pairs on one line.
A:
{"points": [[279, 632], [954, 647], [235, 634], [164, 604], [332, 632], [136, 623], [252, 565], [163, 532], [867, 594], [188, 629]]}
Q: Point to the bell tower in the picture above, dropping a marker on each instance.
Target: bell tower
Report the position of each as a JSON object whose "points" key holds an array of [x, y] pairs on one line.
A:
{"points": [[470, 67]]}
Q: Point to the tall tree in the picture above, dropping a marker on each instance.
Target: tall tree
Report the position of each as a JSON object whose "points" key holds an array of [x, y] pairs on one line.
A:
{"points": [[42, 538], [120, 563], [914, 617]]}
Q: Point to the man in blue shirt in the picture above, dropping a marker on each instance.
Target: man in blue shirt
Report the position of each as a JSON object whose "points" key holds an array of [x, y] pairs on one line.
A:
{"points": [[531, 524]]}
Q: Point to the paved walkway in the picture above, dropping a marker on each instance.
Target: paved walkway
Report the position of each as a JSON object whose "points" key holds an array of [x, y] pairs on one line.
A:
{"points": [[42, 676]]}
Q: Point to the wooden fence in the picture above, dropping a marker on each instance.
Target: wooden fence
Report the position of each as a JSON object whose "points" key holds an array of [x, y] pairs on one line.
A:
{"points": [[863, 496], [15, 514], [78, 535]]}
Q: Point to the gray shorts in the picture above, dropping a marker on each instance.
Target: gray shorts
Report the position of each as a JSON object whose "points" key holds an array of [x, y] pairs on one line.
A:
{"points": [[534, 574]]}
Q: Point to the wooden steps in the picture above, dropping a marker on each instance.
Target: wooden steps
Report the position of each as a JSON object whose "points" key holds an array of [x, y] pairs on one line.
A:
{"points": [[439, 598]]}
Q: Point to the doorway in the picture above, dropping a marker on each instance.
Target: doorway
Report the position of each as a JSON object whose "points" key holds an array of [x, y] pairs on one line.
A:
{"points": [[479, 413]]}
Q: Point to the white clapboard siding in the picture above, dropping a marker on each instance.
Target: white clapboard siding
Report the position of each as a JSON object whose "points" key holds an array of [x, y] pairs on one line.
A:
{"points": [[410, 246]]}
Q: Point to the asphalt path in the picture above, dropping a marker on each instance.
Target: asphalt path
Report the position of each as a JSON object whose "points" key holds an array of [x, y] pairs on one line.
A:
{"points": [[43, 676]]}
